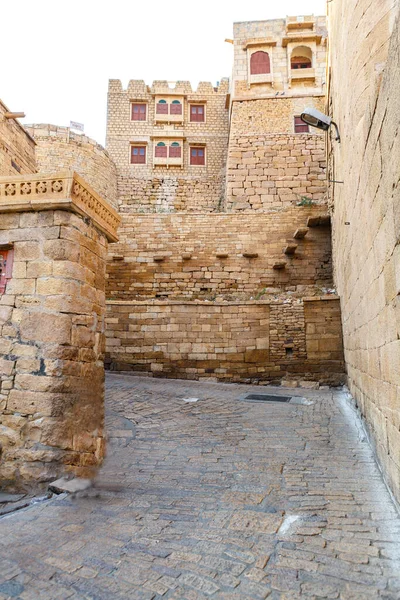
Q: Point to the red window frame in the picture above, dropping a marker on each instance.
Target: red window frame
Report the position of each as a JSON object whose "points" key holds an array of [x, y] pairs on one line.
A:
{"points": [[6, 265], [175, 151], [162, 108], [175, 109], [300, 126], [138, 155], [139, 112], [198, 155], [161, 151], [260, 63], [197, 113]]}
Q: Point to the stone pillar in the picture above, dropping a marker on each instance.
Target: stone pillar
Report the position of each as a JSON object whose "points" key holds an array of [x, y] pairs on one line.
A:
{"points": [[52, 327]]}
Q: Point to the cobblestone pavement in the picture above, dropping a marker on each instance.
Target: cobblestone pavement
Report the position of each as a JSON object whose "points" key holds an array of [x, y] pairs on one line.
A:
{"points": [[216, 498]]}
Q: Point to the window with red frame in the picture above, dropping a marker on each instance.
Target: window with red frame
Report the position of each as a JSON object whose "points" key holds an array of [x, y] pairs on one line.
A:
{"points": [[197, 113], [138, 155], [161, 150], [175, 150], [138, 112], [260, 63], [300, 126], [162, 107], [175, 108], [6, 262], [197, 156], [300, 62]]}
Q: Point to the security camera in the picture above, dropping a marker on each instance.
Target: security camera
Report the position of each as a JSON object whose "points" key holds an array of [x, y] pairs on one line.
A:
{"points": [[317, 119]]}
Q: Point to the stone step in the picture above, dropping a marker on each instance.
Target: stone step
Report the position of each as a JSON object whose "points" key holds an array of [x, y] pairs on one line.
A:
{"points": [[322, 220], [278, 266], [300, 233], [290, 249]]}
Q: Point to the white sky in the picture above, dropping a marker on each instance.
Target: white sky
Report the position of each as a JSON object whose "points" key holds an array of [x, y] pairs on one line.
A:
{"points": [[57, 56]]}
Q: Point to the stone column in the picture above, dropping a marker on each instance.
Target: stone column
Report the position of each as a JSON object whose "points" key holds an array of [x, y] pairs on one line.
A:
{"points": [[52, 327]]}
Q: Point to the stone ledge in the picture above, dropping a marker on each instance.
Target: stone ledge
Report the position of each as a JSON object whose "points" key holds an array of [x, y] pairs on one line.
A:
{"points": [[159, 302], [64, 191]]}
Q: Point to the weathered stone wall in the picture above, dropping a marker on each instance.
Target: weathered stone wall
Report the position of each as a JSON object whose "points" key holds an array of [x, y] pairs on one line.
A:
{"points": [[274, 171], [247, 342], [51, 331], [364, 58], [156, 187], [17, 148], [271, 115], [201, 255], [59, 149]]}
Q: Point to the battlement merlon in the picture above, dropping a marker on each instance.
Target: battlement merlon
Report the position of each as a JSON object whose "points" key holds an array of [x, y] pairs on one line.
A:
{"points": [[137, 88]]}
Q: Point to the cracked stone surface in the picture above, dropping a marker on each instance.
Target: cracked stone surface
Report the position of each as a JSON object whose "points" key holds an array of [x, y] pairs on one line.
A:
{"points": [[220, 498]]}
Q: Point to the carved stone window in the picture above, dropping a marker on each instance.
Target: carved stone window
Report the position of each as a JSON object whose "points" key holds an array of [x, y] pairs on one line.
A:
{"points": [[175, 108], [175, 150]]}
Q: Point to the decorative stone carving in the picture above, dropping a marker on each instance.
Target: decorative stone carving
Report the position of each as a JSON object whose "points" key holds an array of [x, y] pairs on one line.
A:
{"points": [[64, 190]]}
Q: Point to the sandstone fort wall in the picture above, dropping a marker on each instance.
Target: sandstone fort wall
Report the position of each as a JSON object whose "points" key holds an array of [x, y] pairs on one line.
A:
{"points": [[242, 342], [201, 255], [364, 58], [59, 149]]}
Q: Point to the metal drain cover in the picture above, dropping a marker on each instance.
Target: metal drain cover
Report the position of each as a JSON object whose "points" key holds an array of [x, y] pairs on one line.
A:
{"points": [[267, 398]]}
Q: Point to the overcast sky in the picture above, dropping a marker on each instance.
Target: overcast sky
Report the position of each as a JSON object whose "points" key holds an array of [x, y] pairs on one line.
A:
{"points": [[59, 55]]}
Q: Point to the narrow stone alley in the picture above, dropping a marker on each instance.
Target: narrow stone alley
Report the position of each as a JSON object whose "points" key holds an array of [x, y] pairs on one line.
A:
{"points": [[205, 494]]}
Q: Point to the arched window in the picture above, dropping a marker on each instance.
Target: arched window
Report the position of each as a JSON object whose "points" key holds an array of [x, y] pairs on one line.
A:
{"points": [[161, 150], [260, 63], [301, 58], [162, 107], [176, 108], [175, 150]]}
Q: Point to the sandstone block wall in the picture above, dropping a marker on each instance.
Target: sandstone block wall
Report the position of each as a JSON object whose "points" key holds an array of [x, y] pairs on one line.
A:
{"points": [[17, 148], [160, 188], [364, 57], [272, 116], [242, 342], [274, 171], [58, 149], [201, 256], [51, 333]]}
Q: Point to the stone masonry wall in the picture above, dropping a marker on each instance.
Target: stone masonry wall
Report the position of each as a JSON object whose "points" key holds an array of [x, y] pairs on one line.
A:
{"points": [[160, 188], [364, 58], [272, 115], [200, 255], [17, 148], [51, 347], [58, 149], [274, 171], [246, 342]]}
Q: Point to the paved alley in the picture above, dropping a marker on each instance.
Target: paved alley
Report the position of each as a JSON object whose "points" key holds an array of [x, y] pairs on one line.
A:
{"points": [[218, 497]]}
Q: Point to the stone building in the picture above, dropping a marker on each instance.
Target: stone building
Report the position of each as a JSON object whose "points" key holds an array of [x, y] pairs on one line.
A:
{"points": [[365, 206], [169, 145], [195, 288]]}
